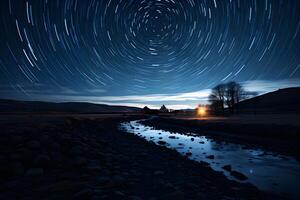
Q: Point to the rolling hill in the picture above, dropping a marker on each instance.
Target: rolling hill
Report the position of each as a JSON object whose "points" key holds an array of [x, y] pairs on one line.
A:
{"points": [[281, 101], [7, 106]]}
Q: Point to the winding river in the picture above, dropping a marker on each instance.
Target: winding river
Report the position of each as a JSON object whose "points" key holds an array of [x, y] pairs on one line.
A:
{"points": [[267, 171]]}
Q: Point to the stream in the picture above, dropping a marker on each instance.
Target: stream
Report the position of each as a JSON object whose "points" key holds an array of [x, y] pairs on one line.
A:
{"points": [[267, 171]]}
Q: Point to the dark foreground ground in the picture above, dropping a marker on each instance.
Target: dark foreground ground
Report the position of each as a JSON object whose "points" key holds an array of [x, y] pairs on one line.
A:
{"points": [[54, 157], [277, 133]]}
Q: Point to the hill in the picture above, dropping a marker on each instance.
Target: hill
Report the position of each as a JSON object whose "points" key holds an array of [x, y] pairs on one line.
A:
{"points": [[68, 107], [281, 101]]}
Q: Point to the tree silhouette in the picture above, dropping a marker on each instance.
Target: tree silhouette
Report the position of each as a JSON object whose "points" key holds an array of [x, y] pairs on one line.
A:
{"points": [[228, 95], [217, 98]]}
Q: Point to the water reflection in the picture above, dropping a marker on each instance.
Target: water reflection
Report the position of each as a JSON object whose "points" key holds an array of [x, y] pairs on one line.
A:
{"points": [[268, 172]]}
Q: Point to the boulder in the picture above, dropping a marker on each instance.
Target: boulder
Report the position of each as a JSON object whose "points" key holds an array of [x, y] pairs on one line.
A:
{"points": [[227, 168], [210, 157], [42, 161], [33, 144], [238, 175], [35, 172], [188, 154], [161, 142]]}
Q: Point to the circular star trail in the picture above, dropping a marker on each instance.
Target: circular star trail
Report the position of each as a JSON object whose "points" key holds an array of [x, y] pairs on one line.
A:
{"points": [[129, 47]]}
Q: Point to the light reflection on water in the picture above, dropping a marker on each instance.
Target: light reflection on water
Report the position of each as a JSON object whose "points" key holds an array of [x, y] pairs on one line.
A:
{"points": [[275, 173]]}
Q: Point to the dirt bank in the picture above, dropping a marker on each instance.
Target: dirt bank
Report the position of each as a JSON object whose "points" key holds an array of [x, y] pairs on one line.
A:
{"points": [[68, 158]]}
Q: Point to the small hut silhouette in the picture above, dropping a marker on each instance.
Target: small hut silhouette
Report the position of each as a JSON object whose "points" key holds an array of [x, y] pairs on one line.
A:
{"points": [[163, 109]]}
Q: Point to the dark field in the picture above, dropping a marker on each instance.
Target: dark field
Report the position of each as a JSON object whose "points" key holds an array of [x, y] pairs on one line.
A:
{"points": [[87, 157]]}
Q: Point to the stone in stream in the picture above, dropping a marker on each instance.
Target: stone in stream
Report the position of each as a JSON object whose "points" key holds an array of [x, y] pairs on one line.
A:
{"points": [[201, 142], [172, 137], [161, 142], [204, 163], [180, 144], [227, 168], [188, 154], [238, 175], [192, 139], [210, 157]]}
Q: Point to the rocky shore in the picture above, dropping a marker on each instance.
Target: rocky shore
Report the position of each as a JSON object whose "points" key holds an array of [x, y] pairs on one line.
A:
{"points": [[70, 158]]}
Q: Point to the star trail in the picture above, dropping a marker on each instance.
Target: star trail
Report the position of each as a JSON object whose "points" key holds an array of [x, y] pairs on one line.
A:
{"points": [[115, 51]]}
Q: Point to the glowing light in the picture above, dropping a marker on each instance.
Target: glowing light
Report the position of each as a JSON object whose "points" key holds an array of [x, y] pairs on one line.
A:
{"points": [[201, 111]]}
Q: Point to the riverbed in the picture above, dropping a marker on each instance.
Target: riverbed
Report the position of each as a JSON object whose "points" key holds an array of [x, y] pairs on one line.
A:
{"points": [[266, 170]]}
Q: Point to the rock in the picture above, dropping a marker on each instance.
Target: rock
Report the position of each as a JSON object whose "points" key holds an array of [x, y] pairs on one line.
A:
{"points": [[76, 150], [210, 157], [64, 186], [203, 163], [83, 194], [158, 173], [102, 180], [80, 161], [94, 165], [192, 139], [174, 195], [45, 140], [188, 154], [238, 175], [33, 144], [56, 156], [119, 194], [201, 142], [161, 142], [55, 146], [14, 157], [17, 139], [35, 172], [227, 168], [172, 137], [116, 181], [42, 161], [19, 169], [135, 198]]}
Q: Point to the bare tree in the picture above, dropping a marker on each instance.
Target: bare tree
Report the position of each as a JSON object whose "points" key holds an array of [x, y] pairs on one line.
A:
{"points": [[228, 94], [217, 98], [234, 94]]}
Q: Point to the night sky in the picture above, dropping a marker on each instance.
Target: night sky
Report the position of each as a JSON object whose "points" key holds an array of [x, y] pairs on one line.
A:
{"points": [[145, 52]]}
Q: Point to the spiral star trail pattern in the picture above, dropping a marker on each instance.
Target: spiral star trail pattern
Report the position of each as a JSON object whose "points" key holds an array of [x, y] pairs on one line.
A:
{"points": [[81, 48]]}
